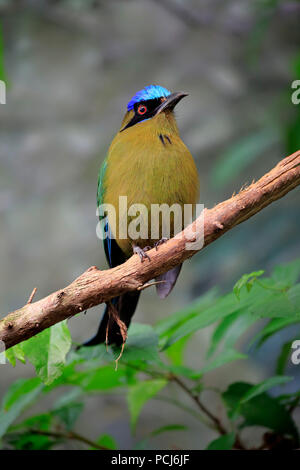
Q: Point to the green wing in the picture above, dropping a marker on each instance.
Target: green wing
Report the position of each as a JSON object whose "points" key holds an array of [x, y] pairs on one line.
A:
{"points": [[100, 188], [113, 252]]}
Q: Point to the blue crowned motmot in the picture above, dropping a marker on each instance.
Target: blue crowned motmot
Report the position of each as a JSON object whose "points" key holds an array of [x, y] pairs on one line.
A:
{"points": [[148, 162]]}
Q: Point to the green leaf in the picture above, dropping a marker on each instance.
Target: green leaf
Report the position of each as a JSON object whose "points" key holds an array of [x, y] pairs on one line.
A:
{"points": [[101, 378], [139, 394], [42, 421], [284, 355], [47, 351], [230, 330], [262, 410], [16, 352], [274, 304], [30, 441], [107, 441], [141, 345], [182, 370], [19, 395], [290, 399], [224, 442], [293, 296], [69, 413], [288, 274], [144, 443], [229, 355], [68, 375], [221, 308], [293, 133], [69, 397], [88, 353], [264, 386], [246, 280], [166, 327], [168, 428], [273, 326], [176, 351]]}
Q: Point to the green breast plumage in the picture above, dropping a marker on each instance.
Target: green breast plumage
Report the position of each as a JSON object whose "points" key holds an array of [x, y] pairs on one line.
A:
{"points": [[149, 164]]}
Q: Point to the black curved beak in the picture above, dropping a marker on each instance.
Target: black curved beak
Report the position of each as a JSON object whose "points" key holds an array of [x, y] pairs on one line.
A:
{"points": [[170, 102]]}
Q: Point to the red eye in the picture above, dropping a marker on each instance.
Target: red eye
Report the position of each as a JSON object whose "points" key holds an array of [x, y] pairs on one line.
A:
{"points": [[142, 109]]}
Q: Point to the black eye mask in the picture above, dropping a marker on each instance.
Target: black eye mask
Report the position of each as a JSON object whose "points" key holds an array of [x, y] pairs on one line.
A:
{"points": [[143, 110]]}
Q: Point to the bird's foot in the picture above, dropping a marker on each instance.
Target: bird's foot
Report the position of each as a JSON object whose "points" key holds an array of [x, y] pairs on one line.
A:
{"points": [[160, 242], [142, 252]]}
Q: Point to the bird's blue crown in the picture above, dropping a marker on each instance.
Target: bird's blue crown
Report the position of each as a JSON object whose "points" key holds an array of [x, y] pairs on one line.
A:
{"points": [[150, 92]]}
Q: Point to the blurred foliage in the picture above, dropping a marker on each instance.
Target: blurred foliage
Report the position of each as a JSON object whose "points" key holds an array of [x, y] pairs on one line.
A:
{"points": [[2, 71], [260, 309], [147, 368], [240, 155]]}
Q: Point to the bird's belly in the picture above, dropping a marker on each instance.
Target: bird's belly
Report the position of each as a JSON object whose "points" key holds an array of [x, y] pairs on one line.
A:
{"points": [[157, 199]]}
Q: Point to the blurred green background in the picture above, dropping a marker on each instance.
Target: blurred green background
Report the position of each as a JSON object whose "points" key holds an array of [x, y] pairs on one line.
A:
{"points": [[71, 66]]}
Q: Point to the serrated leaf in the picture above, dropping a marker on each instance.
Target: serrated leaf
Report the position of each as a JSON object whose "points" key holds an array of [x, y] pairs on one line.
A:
{"points": [[47, 351], [139, 394]]}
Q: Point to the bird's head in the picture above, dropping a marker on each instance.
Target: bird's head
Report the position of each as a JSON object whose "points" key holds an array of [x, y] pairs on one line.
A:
{"points": [[149, 103]]}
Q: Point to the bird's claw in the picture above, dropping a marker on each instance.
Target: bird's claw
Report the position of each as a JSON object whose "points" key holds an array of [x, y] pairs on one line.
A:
{"points": [[160, 242], [142, 252]]}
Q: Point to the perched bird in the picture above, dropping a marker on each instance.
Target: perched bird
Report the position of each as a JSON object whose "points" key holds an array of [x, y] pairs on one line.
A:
{"points": [[148, 162]]}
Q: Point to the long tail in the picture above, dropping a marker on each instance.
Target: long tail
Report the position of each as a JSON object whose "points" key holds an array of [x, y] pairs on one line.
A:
{"points": [[168, 281], [126, 305]]}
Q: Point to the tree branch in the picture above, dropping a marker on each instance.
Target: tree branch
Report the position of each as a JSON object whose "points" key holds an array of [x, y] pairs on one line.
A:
{"points": [[94, 287]]}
